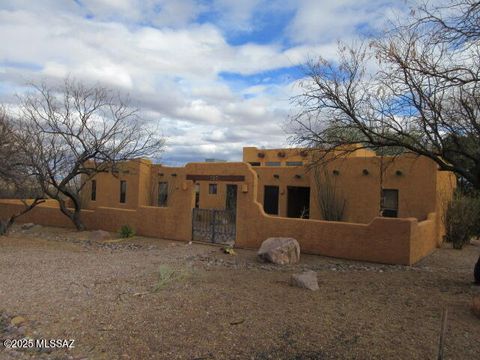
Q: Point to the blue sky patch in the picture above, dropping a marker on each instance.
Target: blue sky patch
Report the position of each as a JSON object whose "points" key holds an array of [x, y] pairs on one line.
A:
{"points": [[277, 76], [21, 65]]}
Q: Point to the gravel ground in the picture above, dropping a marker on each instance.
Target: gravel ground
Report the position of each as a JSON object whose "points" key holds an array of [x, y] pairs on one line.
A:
{"points": [[115, 300]]}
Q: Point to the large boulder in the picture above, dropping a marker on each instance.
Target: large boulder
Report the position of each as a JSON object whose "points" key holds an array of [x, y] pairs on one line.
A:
{"points": [[281, 251], [306, 280], [99, 235]]}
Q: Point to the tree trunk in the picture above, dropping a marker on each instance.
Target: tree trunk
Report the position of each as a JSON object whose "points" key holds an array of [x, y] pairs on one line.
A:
{"points": [[78, 221], [74, 216], [476, 272], [6, 224]]}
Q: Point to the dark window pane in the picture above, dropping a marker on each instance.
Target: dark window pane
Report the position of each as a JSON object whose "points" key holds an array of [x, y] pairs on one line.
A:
{"points": [[123, 191], [389, 203], [162, 193], [93, 196], [212, 189], [270, 200]]}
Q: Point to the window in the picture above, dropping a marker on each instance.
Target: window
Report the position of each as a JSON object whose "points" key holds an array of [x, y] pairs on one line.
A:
{"points": [[389, 203], [212, 189], [231, 198], [255, 163], [197, 195], [294, 163], [123, 191], [272, 163], [162, 194], [93, 195], [270, 200]]}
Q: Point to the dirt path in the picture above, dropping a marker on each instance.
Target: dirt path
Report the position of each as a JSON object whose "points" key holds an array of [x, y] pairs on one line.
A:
{"points": [[228, 307]]}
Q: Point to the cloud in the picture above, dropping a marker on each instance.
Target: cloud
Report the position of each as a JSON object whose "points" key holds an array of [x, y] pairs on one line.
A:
{"points": [[321, 21], [176, 61]]}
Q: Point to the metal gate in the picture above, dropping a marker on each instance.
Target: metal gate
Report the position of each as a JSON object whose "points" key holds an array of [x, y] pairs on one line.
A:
{"points": [[215, 226]]}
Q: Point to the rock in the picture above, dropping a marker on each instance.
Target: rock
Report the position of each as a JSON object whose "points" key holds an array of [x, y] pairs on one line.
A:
{"points": [[27, 226], [307, 280], [476, 305], [281, 251], [18, 320], [99, 235]]}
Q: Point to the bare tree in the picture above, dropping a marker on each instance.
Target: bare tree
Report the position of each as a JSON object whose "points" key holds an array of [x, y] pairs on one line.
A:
{"points": [[15, 180], [73, 132], [416, 89]]}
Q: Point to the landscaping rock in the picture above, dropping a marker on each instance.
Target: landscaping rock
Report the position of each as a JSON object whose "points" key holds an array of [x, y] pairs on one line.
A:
{"points": [[476, 305], [281, 251], [27, 226], [306, 280], [99, 235]]}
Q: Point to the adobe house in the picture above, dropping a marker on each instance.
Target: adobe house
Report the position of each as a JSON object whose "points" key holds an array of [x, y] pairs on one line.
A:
{"points": [[402, 187], [392, 214]]}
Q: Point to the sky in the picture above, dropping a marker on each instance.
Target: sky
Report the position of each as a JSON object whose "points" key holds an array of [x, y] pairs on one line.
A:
{"points": [[212, 75]]}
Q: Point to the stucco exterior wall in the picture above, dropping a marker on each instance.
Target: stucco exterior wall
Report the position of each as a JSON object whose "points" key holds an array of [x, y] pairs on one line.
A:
{"points": [[263, 156], [364, 237], [414, 177]]}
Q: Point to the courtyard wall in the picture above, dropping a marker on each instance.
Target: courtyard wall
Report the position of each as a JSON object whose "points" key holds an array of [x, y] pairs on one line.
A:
{"points": [[385, 240]]}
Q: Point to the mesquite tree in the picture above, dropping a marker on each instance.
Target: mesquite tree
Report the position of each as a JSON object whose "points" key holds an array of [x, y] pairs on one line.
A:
{"points": [[415, 89], [73, 132], [16, 181]]}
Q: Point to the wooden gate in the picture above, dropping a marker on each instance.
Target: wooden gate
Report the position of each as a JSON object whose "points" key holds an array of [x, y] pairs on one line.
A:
{"points": [[215, 226]]}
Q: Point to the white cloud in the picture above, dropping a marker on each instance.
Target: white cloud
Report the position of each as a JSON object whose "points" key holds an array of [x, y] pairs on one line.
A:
{"points": [[170, 65], [325, 21]]}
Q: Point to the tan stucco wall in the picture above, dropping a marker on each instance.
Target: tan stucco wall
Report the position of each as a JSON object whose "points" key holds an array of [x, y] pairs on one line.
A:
{"points": [[364, 237], [137, 175], [254, 154], [419, 185], [416, 185]]}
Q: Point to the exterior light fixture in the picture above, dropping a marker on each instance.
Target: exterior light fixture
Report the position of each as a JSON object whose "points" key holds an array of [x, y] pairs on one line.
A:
{"points": [[399, 172], [276, 176], [336, 172], [365, 172], [298, 176]]}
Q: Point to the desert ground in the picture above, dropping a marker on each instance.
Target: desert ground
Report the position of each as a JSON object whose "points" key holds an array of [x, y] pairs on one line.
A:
{"points": [[144, 298]]}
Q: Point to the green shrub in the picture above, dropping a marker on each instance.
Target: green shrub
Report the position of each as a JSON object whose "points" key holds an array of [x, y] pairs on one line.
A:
{"points": [[126, 231], [462, 219]]}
